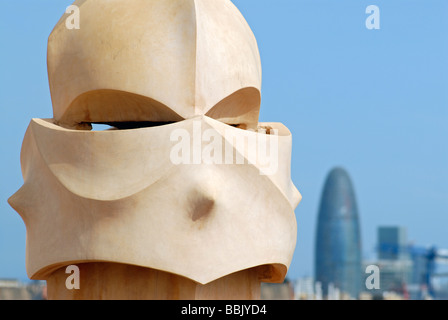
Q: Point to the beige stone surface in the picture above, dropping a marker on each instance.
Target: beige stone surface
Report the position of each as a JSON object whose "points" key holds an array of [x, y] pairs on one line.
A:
{"points": [[184, 75], [154, 60], [116, 196]]}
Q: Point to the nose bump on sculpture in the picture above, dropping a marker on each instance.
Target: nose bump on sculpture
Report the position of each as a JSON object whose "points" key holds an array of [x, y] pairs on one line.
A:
{"points": [[201, 207], [201, 197]]}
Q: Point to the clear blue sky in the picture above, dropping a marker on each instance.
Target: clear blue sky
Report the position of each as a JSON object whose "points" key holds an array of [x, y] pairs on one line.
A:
{"points": [[372, 101]]}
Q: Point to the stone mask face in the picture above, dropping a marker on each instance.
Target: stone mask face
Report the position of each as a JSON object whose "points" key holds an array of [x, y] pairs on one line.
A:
{"points": [[193, 68], [155, 60]]}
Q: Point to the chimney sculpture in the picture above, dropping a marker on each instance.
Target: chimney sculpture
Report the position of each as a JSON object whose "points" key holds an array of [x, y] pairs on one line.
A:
{"points": [[188, 196]]}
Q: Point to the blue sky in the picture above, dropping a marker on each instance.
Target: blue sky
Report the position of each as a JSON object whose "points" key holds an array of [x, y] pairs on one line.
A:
{"points": [[372, 101]]}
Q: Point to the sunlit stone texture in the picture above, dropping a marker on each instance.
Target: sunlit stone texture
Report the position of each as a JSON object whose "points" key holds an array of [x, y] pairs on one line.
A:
{"points": [[138, 224]]}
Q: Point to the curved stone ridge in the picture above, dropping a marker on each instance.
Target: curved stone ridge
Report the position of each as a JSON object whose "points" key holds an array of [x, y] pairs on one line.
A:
{"points": [[154, 60], [120, 202]]}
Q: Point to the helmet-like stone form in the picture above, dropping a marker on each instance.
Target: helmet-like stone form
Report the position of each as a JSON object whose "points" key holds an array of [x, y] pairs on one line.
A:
{"points": [[154, 61]]}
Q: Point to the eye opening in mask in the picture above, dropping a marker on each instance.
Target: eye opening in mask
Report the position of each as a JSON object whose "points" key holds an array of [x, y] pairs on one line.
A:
{"points": [[126, 110], [131, 125]]}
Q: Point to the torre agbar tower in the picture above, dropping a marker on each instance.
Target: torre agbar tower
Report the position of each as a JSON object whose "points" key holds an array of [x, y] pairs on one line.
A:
{"points": [[338, 239]]}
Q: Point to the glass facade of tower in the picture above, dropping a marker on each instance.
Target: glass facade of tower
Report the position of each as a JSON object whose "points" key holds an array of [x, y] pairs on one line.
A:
{"points": [[338, 239]]}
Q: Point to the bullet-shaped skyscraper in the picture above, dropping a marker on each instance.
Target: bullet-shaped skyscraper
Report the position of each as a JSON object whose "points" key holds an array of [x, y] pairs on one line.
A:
{"points": [[338, 238]]}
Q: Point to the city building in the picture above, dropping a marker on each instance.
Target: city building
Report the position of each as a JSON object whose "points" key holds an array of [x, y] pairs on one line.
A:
{"points": [[408, 270], [394, 261], [338, 239], [13, 289], [277, 291], [392, 243]]}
